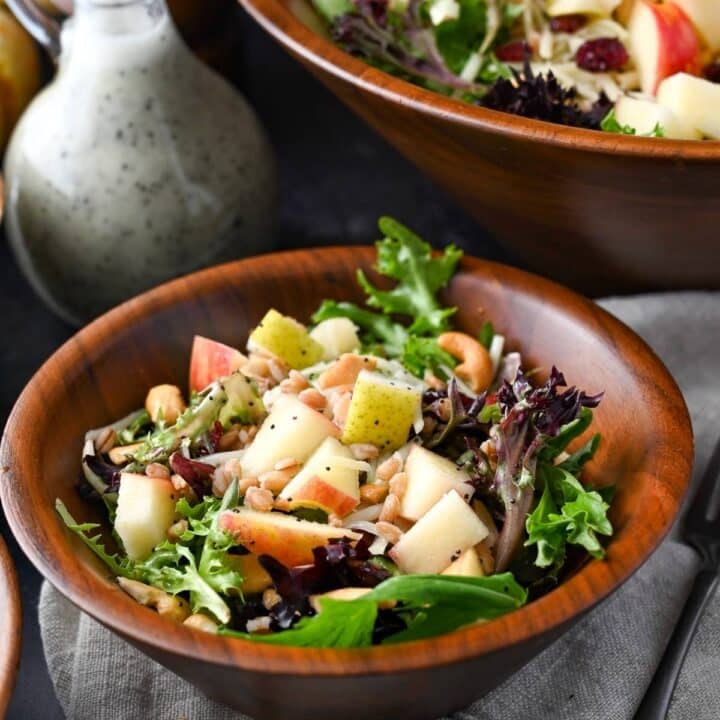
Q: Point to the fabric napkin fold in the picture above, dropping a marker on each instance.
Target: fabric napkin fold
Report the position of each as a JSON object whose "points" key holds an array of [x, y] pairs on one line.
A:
{"points": [[597, 671]]}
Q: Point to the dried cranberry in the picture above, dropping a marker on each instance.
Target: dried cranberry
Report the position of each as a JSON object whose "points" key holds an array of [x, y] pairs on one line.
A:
{"points": [[601, 55], [568, 23], [712, 71], [514, 51]]}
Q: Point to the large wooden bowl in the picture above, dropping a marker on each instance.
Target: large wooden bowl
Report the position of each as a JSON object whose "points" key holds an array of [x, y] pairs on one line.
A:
{"points": [[103, 373], [599, 212], [10, 627]]}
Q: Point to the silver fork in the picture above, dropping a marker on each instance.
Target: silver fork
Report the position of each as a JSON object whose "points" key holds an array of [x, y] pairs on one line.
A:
{"points": [[701, 530]]}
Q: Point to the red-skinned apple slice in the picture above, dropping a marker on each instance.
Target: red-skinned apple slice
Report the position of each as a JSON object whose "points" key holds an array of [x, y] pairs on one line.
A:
{"points": [[706, 16], [663, 41], [329, 480], [316, 492], [288, 539], [211, 360]]}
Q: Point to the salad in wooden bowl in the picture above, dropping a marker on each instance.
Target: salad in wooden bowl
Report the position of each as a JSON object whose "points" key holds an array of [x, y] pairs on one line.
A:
{"points": [[376, 477], [276, 620], [623, 66]]}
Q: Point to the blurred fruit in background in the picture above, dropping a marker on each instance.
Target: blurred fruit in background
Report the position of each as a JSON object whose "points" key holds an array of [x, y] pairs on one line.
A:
{"points": [[20, 72], [210, 27]]}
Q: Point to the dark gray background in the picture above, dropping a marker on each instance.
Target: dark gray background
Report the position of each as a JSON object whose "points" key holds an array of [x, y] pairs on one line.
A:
{"points": [[336, 178]]}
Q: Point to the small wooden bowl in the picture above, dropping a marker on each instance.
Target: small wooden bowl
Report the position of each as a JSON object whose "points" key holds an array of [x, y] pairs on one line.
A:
{"points": [[104, 371], [10, 627], [600, 212]]}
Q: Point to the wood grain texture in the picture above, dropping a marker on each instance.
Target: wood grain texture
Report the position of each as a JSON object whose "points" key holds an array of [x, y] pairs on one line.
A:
{"points": [[598, 211], [104, 371], [10, 627]]}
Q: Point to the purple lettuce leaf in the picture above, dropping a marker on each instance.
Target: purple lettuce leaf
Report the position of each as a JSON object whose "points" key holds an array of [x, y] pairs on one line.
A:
{"points": [[531, 417]]}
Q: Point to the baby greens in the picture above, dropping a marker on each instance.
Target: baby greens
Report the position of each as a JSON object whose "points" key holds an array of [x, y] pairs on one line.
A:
{"points": [[262, 562], [419, 276], [428, 605]]}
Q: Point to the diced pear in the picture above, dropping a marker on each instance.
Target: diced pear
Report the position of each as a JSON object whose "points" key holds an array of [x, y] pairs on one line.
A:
{"points": [[291, 430], [694, 99], [582, 7], [382, 411], [255, 577], [287, 339], [287, 538], [645, 115], [145, 512], [327, 481], [467, 565], [429, 477], [337, 336], [441, 535]]}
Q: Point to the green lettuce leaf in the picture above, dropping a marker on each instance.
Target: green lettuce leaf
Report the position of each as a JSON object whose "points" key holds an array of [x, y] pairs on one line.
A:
{"points": [[404, 257], [118, 565], [567, 513], [575, 462], [341, 624], [428, 604], [217, 567], [420, 353], [172, 568], [556, 445]]}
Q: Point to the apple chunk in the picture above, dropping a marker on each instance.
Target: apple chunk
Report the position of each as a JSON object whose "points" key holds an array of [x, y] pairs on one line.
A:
{"points": [[440, 536], [337, 336], [381, 412], [645, 115], [145, 511], [291, 430], [706, 16], [329, 480], [288, 539], [467, 565], [694, 99], [663, 41], [210, 360], [429, 477]]}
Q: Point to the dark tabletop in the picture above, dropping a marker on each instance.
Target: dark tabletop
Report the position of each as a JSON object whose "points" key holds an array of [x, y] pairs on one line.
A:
{"points": [[336, 178]]}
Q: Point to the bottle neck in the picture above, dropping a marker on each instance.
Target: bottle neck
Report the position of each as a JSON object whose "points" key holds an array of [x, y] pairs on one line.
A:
{"points": [[118, 17]]}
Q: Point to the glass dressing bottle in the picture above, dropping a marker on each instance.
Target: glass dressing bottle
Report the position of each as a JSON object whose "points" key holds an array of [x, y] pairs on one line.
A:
{"points": [[135, 165]]}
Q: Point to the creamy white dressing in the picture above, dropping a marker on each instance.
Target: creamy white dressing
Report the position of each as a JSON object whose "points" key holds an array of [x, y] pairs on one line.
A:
{"points": [[135, 165]]}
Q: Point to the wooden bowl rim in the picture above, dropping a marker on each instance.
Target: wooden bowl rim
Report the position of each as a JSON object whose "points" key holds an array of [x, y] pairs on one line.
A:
{"points": [[278, 20], [10, 645], [115, 610]]}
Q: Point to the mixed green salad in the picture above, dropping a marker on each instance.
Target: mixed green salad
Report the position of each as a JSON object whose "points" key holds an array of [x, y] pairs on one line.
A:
{"points": [[634, 67], [376, 476]]}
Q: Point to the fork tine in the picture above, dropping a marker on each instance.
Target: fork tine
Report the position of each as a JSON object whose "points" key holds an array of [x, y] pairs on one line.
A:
{"points": [[702, 508]]}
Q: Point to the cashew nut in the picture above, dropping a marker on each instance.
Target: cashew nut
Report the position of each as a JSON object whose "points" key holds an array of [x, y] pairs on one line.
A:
{"points": [[165, 401], [201, 622], [169, 606], [476, 367]]}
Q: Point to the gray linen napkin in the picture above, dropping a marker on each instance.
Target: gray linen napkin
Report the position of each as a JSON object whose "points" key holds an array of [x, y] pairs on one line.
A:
{"points": [[597, 671]]}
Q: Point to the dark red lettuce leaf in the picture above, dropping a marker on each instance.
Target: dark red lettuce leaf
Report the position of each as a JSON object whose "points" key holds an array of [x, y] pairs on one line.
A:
{"points": [[198, 475], [335, 565], [542, 97]]}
